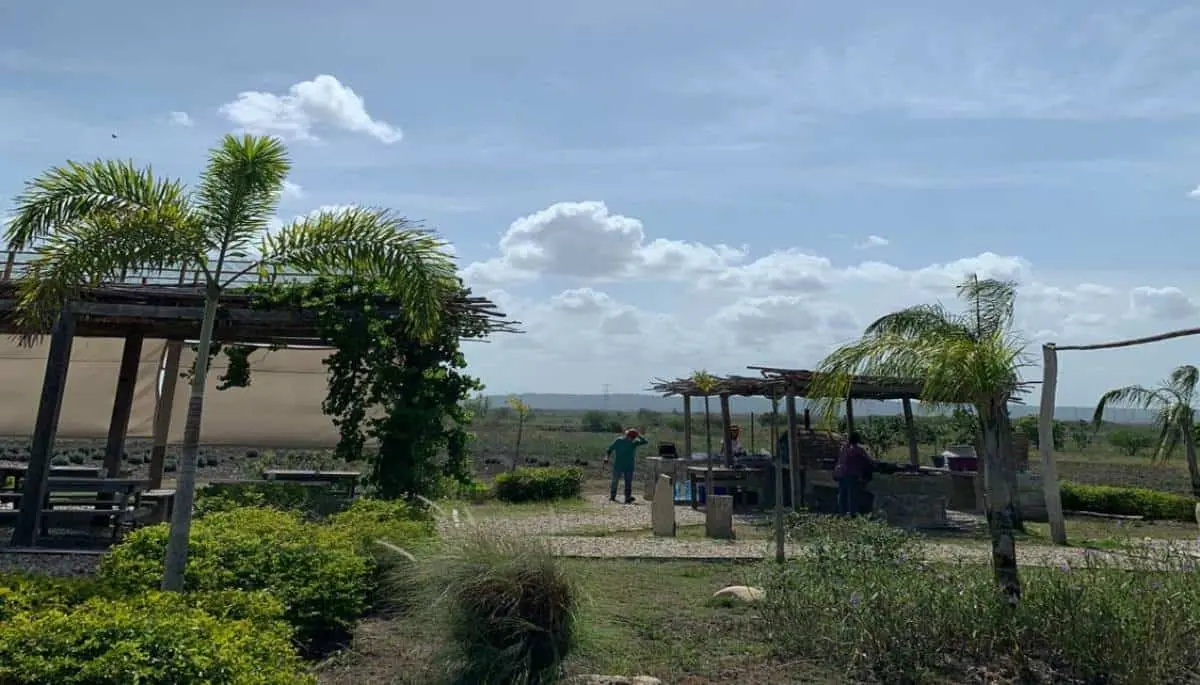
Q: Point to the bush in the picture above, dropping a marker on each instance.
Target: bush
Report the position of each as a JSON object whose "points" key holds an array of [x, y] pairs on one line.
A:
{"points": [[539, 485], [19, 592], [888, 617], [1151, 504], [314, 501], [315, 570], [507, 609], [154, 639]]}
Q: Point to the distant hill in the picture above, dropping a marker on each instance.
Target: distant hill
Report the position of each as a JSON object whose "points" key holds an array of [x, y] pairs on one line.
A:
{"points": [[629, 403]]}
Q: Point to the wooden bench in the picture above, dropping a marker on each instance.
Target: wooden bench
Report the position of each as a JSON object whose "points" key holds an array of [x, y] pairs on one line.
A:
{"points": [[161, 503], [346, 481], [76, 501]]}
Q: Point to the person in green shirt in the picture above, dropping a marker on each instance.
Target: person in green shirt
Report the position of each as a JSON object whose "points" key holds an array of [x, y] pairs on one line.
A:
{"points": [[622, 451]]}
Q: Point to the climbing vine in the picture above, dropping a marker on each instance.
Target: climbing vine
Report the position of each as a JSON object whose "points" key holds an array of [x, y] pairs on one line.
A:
{"points": [[237, 371], [408, 396]]}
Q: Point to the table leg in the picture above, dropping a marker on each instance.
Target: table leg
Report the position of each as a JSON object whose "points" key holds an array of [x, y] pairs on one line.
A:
{"points": [[692, 487]]}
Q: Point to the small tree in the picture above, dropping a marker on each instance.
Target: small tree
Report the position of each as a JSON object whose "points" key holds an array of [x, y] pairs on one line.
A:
{"points": [[1131, 442], [522, 410]]}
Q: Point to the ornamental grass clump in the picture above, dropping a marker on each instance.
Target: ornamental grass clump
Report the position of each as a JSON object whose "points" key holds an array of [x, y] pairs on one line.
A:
{"points": [[507, 609]]}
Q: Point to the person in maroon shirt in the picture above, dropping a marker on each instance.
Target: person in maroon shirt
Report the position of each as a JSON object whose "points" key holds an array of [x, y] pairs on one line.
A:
{"points": [[851, 471]]}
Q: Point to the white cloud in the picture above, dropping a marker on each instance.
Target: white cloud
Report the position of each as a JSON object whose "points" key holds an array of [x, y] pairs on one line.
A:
{"points": [[322, 102], [1195, 192], [293, 190], [1162, 304], [584, 240], [181, 119], [872, 241]]}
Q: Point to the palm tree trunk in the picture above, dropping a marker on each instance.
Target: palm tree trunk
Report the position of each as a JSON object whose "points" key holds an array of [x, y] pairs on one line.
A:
{"points": [[1189, 451], [1001, 509], [708, 478], [1009, 457], [517, 449], [185, 486]]}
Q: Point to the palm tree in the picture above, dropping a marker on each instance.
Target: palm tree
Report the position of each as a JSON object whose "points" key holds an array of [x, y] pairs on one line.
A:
{"points": [[92, 222], [705, 382], [1174, 415], [963, 358]]}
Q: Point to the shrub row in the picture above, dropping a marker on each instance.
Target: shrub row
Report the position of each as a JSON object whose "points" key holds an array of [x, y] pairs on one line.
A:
{"points": [[1151, 504], [313, 500], [865, 603], [539, 485]]}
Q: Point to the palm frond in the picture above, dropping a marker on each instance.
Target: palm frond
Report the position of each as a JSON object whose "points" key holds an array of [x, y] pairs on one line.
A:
{"points": [[1184, 380], [376, 245], [99, 250], [73, 193], [704, 381], [991, 304], [1138, 396], [239, 192], [919, 321]]}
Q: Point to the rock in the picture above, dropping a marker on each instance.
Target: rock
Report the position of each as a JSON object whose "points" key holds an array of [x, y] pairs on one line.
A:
{"points": [[662, 509], [718, 517], [615, 680], [741, 592]]}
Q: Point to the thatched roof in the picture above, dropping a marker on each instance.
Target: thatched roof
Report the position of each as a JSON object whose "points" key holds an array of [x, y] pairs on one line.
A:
{"points": [[779, 382]]}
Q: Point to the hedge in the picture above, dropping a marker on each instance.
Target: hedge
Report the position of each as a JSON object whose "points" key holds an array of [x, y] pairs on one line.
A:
{"points": [[539, 485], [1106, 499], [313, 500], [152, 639]]}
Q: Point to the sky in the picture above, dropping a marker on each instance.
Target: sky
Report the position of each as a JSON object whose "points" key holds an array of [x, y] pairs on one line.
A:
{"points": [[657, 187]]}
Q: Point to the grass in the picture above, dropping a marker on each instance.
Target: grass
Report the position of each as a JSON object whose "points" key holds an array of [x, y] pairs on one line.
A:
{"points": [[638, 618]]}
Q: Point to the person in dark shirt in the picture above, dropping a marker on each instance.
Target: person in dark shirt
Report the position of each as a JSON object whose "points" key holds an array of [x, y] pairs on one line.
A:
{"points": [[850, 472]]}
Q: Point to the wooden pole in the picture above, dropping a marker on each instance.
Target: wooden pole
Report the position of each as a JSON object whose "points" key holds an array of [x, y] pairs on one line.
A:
{"points": [[910, 430], [793, 457], [751, 432], [118, 425], [779, 464], [726, 424], [687, 427], [54, 383], [849, 415], [162, 411], [1054, 510]]}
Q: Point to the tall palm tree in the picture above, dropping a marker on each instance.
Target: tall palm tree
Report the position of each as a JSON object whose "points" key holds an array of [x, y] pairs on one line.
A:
{"points": [[91, 222], [970, 357], [705, 382], [1174, 415]]}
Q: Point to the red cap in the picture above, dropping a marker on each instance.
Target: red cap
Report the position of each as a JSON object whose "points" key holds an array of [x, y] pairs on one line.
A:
{"points": [[631, 433]]}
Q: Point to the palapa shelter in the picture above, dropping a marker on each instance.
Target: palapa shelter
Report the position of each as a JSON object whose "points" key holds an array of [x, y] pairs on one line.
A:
{"points": [[157, 306], [788, 384]]}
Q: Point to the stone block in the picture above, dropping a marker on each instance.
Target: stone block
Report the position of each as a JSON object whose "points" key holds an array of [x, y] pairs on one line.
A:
{"points": [[662, 508], [718, 517]]}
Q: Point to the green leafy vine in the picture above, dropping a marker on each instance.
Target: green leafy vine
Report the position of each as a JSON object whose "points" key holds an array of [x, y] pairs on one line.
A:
{"points": [[237, 371], [406, 396]]}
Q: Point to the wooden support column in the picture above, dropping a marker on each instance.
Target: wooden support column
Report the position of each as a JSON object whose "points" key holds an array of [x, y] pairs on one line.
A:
{"points": [[910, 430], [849, 415], [793, 453], [54, 384], [1054, 510], [779, 464], [162, 411], [687, 427], [118, 425], [726, 424]]}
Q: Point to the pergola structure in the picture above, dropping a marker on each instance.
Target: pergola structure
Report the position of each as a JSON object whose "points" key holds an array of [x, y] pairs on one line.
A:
{"points": [[775, 383], [159, 306]]}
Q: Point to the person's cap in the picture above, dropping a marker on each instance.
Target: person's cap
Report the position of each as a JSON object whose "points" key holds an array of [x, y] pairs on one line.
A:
{"points": [[631, 432]]}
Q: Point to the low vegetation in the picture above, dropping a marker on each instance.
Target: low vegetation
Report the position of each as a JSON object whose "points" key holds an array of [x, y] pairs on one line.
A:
{"points": [[1142, 502], [539, 485]]}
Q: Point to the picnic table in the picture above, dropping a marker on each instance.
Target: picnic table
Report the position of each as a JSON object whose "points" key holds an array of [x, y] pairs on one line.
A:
{"points": [[84, 501], [342, 480]]}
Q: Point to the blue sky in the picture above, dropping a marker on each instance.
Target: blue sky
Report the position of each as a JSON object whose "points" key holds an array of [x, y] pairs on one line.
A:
{"points": [[654, 187]]}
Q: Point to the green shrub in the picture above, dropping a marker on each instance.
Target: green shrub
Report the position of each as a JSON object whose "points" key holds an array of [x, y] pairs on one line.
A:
{"points": [[474, 491], [889, 617], [1104, 499], [314, 501], [506, 607], [539, 485], [153, 639], [314, 570], [397, 522], [21, 592]]}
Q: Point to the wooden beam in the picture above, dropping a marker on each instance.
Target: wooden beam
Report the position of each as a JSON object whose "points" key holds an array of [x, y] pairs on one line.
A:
{"points": [[779, 464], [687, 427], [54, 383], [118, 425], [910, 431], [793, 456], [726, 424], [162, 411], [1050, 486]]}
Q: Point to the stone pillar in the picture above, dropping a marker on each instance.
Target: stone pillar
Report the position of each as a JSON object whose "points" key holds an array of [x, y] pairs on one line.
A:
{"points": [[718, 517], [662, 510]]}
